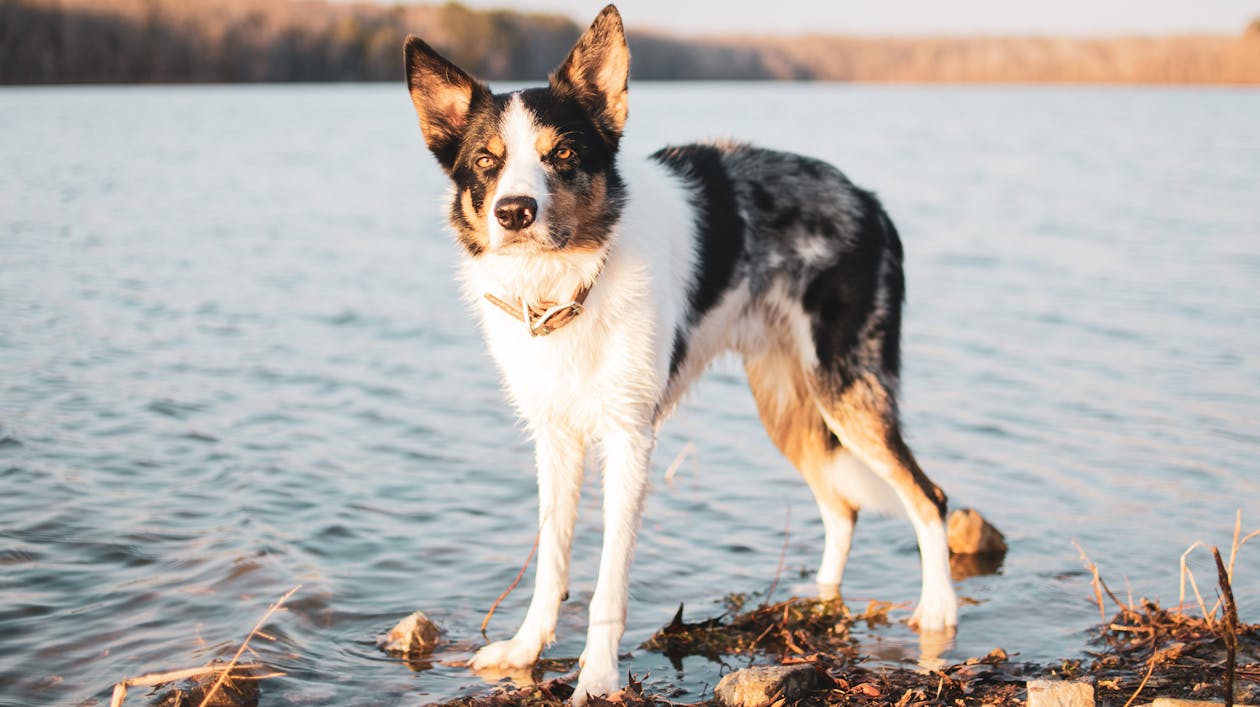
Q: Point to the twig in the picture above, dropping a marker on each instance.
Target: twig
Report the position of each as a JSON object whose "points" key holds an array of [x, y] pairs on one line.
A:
{"points": [[759, 637], [232, 663], [1185, 572], [1150, 668], [1233, 549], [1233, 553], [486, 621], [787, 528], [151, 679], [687, 449], [1098, 584], [1229, 627]]}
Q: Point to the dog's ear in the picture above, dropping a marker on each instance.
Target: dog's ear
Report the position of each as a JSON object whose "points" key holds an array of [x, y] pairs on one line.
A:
{"points": [[443, 95], [596, 72]]}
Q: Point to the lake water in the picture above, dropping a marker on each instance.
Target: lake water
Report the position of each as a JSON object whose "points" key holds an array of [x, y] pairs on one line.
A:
{"points": [[232, 360]]}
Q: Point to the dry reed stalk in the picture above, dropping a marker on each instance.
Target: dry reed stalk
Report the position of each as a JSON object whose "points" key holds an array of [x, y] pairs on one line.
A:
{"points": [[1229, 626], [486, 621], [1233, 549], [1185, 572], [151, 679], [1233, 556], [232, 663], [1099, 586]]}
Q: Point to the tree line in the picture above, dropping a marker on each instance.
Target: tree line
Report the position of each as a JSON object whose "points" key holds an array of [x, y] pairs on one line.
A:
{"points": [[176, 41]]}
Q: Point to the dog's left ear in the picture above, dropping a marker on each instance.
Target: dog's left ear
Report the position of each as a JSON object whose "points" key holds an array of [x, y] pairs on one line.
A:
{"points": [[596, 72]]}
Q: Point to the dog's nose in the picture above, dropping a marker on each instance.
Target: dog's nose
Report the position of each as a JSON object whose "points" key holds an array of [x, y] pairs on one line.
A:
{"points": [[515, 212]]}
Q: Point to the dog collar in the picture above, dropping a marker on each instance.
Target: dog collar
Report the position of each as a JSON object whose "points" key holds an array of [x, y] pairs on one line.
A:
{"points": [[543, 318]]}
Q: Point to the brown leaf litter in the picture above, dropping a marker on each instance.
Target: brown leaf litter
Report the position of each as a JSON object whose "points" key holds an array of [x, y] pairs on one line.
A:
{"points": [[1144, 650]]}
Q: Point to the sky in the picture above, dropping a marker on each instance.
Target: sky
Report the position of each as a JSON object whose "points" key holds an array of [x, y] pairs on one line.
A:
{"points": [[1063, 17]]}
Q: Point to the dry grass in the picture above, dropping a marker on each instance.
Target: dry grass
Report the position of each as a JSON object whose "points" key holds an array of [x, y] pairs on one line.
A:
{"points": [[211, 681], [1183, 655]]}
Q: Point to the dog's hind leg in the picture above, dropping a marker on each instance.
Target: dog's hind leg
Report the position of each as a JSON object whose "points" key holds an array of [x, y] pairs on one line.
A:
{"points": [[560, 457], [794, 424], [862, 414]]}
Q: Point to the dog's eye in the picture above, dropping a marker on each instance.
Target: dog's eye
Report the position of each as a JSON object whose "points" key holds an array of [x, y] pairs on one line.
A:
{"points": [[564, 154], [486, 162]]}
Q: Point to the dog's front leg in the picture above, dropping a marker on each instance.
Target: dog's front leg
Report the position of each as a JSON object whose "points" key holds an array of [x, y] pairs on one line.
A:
{"points": [[627, 454], [560, 455]]}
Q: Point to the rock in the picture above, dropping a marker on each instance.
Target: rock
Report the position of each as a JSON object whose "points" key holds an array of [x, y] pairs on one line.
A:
{"points": [[1060, 693], [766, 684], [970, 534], [414, 636], [1174, 702]]}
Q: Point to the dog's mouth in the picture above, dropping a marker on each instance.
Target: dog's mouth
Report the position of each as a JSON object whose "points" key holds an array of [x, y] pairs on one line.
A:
{"points": [[536, 240]]}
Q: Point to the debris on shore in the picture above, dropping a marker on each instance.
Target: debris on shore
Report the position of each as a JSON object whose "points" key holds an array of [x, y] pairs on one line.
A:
{"points": [[1148, 656], [1166, 653], [791, 627], [231, 684], [239, 689]]}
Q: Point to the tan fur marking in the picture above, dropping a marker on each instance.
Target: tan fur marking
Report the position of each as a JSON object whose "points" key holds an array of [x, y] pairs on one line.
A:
{"points": [[478, 233], [548, 138], [794, 424], [786, 402], [862, 413], [787, 410], [465, 203], [496, 147]]}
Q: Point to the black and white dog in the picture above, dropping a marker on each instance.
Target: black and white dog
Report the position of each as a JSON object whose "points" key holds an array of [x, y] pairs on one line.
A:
{"points": [[605, 285]]}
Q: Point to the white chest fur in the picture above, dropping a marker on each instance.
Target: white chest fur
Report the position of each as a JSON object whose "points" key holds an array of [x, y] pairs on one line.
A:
{"points": [[609, 367]]}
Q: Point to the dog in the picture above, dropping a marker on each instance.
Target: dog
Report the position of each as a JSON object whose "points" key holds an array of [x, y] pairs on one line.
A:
{"points": [[604, 286]]}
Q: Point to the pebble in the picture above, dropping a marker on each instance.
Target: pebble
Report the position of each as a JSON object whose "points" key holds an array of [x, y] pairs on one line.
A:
{"points": [[1060, 693], [765, 685], [1176, 702], [970, 534], [413, 636]]}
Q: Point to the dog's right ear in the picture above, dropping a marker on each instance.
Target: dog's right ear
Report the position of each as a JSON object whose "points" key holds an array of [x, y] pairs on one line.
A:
{"points": [[443, 96]]}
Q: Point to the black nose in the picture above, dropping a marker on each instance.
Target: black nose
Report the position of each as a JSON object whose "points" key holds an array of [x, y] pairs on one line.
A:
{"points": [[515, 212]]}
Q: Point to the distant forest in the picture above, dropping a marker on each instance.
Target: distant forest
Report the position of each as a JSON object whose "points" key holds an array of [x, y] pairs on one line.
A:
{"points": [[176, 41]]}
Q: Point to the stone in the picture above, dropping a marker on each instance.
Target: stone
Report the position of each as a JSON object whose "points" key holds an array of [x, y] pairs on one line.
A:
{"points": [[765, 685], [1176, 702], [414, 636], [970, 534], [1060, 693]]}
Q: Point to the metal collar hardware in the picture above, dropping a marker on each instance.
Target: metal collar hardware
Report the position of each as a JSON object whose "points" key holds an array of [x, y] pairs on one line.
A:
{"points": [[544, 317]]}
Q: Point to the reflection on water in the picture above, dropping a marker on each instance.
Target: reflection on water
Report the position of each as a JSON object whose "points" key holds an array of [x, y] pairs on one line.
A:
{"points": [[232, 359]]}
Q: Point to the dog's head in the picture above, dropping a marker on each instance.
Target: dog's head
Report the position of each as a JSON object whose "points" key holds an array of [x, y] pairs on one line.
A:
{"points": [[533, 171]]}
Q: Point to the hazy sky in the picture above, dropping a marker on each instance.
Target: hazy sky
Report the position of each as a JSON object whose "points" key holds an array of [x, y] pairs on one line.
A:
{"points": [[1077, 17]]}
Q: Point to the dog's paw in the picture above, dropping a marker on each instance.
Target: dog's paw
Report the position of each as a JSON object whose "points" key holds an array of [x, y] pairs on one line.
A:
{"points": [[595, 683], [937, 611], [508, 655]]}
